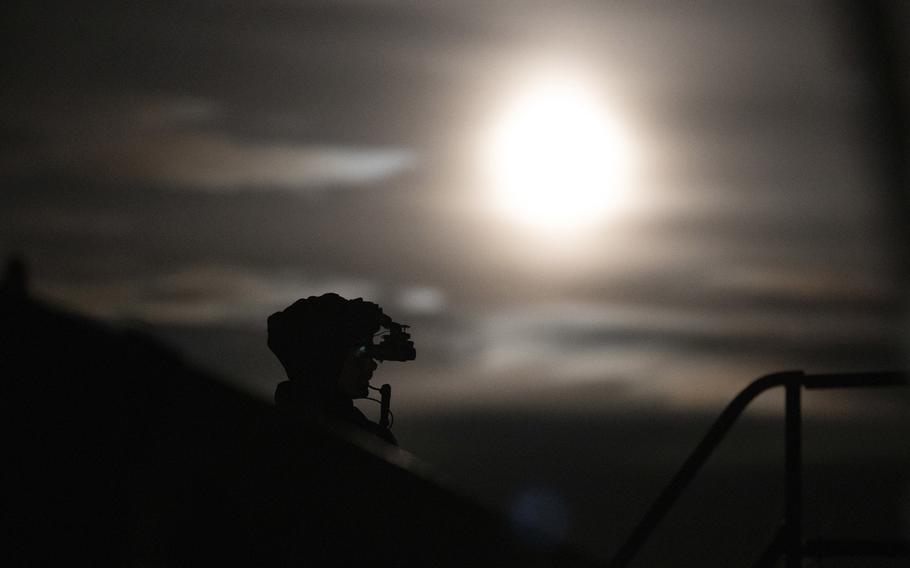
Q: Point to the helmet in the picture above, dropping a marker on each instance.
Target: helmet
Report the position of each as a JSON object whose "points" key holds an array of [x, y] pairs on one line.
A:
{"points": [[312, 335]]}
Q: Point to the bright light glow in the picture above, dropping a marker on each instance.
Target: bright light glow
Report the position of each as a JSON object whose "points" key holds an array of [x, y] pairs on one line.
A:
{"points": [[556, 159]]}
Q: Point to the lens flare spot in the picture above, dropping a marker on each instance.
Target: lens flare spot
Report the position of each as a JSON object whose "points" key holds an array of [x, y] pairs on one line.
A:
{"points": [[540, 516]]}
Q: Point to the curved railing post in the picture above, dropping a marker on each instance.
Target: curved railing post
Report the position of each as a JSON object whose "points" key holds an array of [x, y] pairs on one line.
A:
{"points": [[789, 538], [696, 459]]}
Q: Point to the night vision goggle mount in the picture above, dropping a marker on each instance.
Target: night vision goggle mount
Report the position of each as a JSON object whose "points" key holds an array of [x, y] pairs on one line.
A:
{"points": [[396, 345]]}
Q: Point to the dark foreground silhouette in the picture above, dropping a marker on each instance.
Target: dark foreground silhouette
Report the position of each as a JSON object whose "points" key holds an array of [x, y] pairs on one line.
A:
{"points": [[118, 453]]}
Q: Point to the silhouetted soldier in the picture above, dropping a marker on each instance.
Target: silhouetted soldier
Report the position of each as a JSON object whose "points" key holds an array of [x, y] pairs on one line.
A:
{"points": [[326, 345]]}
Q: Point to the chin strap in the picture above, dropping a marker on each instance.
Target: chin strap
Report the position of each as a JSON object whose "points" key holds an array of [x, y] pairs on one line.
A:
{"points": [[385, 395], [386, 417]]}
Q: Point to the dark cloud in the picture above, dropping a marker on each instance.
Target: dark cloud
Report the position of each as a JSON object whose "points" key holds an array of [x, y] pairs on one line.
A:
{"points": [[201, 165]]}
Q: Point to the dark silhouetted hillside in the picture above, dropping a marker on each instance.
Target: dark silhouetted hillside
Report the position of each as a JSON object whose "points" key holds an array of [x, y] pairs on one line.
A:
{"points": [[118, 453]]}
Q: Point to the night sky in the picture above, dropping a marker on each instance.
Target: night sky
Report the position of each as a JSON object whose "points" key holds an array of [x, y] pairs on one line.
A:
{"points": [[189, 168]]}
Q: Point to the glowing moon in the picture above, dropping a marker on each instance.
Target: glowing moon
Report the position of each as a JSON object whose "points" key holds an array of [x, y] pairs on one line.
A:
{"points": [[555, 158]]}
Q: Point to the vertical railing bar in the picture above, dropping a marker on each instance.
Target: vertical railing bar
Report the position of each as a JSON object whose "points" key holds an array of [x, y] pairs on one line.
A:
{"points": [[793, 469], [791, 531]]}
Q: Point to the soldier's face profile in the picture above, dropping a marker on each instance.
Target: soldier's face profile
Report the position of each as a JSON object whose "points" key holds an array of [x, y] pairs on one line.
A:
{"points": [[356, 373]]}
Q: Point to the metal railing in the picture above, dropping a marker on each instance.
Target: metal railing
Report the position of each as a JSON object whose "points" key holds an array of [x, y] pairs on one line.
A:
{"points": [[789, 539]]}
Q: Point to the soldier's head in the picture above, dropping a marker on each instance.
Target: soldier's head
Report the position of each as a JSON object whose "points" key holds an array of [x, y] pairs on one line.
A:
{"points": [[322, 341]]}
